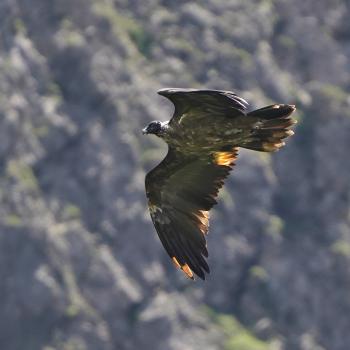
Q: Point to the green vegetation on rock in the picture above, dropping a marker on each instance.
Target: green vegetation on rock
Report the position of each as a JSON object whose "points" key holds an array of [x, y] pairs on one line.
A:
{"points": [[237, 336]]}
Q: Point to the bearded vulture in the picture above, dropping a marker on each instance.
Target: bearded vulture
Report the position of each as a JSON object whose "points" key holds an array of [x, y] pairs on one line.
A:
{"points": [[203, 137]]}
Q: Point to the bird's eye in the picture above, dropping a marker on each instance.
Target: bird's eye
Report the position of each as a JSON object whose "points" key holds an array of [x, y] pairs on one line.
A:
{"points": [[155, 127]]}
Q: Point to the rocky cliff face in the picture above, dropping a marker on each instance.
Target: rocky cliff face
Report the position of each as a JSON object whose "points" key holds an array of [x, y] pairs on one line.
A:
{"points": [[80, 264]]}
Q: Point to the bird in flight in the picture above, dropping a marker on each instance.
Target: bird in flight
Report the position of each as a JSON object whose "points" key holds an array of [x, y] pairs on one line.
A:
{"points": [[203, 137]]}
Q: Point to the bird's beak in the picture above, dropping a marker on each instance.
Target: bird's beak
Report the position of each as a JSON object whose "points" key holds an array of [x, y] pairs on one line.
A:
{"points": [[144, 131]]}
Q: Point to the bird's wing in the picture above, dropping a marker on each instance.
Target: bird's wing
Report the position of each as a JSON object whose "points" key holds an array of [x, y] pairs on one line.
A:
{"points": [[193, 104], [181, 190]]}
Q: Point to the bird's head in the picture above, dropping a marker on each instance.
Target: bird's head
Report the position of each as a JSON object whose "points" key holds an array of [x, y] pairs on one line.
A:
{"points": [[155, 127]]}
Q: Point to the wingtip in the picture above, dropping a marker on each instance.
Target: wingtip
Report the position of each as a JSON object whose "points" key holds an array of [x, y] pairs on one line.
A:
{"points": [[169, 91], [163, 92], [203, 276], [188, 271], [185, 268]]}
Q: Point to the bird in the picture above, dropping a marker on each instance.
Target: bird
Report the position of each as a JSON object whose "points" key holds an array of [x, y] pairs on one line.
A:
{"points": [[204, 135]]}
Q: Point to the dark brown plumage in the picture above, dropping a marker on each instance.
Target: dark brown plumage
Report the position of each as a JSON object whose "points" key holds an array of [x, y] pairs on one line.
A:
{"points": [[204, 134]]}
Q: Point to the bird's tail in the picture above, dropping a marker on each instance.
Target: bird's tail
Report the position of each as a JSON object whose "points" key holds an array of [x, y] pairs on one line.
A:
{"points": [[272, 126]]}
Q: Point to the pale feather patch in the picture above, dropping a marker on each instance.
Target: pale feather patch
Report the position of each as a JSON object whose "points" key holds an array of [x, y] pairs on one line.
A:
{"points": [[224, 158], [283, 133], [182, 118], [232, 131], [157, 214], [188, 272], [176, 263], [203, 217], [270, 147], [153, 208]]}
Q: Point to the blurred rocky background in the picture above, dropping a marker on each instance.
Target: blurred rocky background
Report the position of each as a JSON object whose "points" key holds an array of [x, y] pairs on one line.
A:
{"points": [[81, 267]]}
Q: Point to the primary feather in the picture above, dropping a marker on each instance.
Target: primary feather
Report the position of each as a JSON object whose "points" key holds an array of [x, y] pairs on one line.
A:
{"points": [[204, 134]]}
